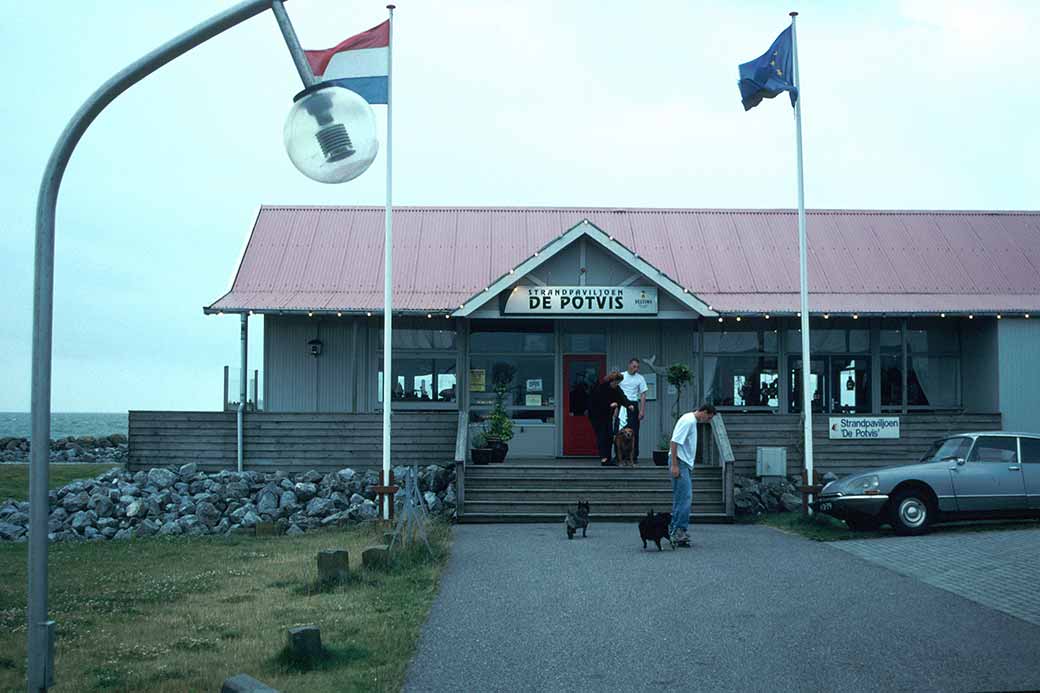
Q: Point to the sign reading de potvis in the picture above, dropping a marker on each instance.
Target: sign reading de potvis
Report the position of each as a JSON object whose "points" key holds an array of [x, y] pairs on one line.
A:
{"points": [[582, 300], [864, 427]]}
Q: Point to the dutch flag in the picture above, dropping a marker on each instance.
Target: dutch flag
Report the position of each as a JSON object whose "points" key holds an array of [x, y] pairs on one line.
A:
{"points": [[361, 63]]}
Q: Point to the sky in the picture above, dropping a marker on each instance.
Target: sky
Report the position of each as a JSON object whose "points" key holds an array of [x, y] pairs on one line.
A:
{"points": [[921, 104]]}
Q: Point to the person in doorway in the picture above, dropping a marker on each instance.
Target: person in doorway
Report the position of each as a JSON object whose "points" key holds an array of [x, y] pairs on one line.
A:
{"points": [[682, 455], [633, 384], [604, 401]]}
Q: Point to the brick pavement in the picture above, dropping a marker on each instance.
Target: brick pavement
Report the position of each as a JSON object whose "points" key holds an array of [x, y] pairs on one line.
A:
{"points": [[998, 569]]}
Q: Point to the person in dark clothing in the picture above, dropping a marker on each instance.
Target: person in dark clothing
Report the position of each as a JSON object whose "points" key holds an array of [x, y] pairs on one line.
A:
{"points": [[604, 401]]}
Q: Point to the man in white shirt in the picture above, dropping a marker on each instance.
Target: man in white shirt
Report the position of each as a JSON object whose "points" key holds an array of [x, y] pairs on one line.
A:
{"points": [[682, 456], [633, 384]]}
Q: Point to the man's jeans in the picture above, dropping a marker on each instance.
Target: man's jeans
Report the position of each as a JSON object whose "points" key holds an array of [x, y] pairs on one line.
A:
{"points": [[682, 497]]}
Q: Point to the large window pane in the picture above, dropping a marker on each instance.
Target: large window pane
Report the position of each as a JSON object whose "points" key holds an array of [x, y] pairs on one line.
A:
{"points": [[932, 336], [1001, 449], [512, 338], [742, 381], [891, 380], [891, 336], [741, 340], [817, 378], [850, 385], [587, 343], [420, 380], [529, 380], [933, 381], [425, 333], [832, 336]]}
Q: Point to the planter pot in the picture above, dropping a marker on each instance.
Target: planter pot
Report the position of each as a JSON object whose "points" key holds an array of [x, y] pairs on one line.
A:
{"points": [[661, 458], [481, 455], [498, 451]]}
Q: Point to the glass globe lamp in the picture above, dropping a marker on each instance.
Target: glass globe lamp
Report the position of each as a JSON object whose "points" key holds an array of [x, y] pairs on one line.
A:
{"points": [[330, 134]]}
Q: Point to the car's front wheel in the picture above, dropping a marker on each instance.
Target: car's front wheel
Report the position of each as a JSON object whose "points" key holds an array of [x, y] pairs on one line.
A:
{"points": [[911, 512]]}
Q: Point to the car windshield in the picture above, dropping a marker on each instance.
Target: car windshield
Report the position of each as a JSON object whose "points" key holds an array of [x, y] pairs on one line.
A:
{"points": [[947, 448]]}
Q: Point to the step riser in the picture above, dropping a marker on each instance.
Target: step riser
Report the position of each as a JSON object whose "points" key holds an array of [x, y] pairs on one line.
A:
{"points": [[703, 518], [572, 498], [635, 510]]}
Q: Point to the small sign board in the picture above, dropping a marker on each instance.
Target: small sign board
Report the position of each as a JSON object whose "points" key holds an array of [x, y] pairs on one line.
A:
{"points": [[651, 386], [477, 380], [863, 427], [534, 385]]}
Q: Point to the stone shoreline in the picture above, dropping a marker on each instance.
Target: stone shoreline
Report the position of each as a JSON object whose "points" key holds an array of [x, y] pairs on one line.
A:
{"points": [[184, 501], [110, 449]]}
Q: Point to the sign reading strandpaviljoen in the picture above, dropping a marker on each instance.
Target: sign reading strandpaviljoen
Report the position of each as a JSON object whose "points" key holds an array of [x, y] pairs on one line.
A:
{"points": [[582, 300], [864, 427]]}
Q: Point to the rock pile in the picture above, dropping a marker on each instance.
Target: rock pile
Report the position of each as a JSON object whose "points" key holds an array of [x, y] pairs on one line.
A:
{"points": [[754, 497], [121, 505], [101, 449]]}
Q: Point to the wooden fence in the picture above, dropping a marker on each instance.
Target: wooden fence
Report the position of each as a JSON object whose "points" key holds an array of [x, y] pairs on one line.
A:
{"points": [[916, 433], [288, 441]]}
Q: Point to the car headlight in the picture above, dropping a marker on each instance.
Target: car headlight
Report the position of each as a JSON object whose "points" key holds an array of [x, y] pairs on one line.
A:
{"points": [[863, 485]]}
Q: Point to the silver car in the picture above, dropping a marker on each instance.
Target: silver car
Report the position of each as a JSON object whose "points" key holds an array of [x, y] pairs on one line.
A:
{"points": [[965, 476]]}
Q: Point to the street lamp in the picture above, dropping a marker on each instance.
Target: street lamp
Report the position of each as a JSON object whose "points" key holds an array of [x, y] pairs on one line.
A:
{"points": [[330, 134], [342, 131]]}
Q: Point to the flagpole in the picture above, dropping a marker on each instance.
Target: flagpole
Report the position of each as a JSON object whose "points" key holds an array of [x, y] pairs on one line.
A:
{"points": [[388, 285], [803, 270]]}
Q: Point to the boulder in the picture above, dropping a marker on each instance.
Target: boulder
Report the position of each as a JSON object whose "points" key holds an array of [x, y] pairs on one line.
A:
{"points": [[309, 477], [790, 502], [170, 528], [147, 528], [267, 503], [320, 507], [436, 478], [207, 514], [368, 510], [450, 499], [432, 501], [305, 491], [345, 475], [357, 499], [74, 502], [82, 520], [188, 470], [250, 519], [161, 478], [287, 500], [138, 508], [10, 532], [829, 477], [293, 531]]}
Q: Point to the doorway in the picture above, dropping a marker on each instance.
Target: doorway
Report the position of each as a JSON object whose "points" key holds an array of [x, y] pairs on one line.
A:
{"points": [[840, 384], [581, 373]]}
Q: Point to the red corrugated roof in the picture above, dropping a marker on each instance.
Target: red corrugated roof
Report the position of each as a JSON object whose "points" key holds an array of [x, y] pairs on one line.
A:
{"points": [[331, 258]]}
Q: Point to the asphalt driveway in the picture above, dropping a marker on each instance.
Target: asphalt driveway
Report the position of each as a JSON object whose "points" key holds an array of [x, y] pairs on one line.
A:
{"points": [[521, 608]]}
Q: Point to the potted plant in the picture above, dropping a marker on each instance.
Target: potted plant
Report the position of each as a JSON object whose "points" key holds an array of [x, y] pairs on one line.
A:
{"points": [[499, 429], [480, 453], [679, 376], [661, 453]]}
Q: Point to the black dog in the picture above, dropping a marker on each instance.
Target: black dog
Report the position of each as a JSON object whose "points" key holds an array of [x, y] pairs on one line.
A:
{"points": [[654, 527], [578, 520]]}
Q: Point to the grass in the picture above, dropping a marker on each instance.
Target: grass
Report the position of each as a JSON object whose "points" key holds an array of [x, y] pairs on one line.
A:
{"points": [[14, 478], [177, 614], [822, 527]]}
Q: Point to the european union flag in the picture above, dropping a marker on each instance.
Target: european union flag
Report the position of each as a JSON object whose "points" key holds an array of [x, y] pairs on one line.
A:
{"points": [[768, 75]]}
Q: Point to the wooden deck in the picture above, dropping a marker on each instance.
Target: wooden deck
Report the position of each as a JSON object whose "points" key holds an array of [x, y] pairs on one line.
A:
{"points": [[288, 441]]}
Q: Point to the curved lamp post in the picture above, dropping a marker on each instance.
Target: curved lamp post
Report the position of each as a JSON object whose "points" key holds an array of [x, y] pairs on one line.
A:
{"points": [[330, 137]]}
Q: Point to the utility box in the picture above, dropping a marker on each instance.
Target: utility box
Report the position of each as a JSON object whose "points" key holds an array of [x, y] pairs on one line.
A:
{"points": [[771, 462]]}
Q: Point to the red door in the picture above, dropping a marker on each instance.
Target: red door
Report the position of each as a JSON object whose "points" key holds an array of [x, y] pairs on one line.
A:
{"points": [[580, 375]]}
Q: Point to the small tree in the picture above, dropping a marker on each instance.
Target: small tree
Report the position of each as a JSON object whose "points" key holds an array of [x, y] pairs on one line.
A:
{"points": [[679, 376], [499, 425]]}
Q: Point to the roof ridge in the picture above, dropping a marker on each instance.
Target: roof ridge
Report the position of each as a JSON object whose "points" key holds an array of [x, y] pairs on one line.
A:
{"points": [[653, 210]]}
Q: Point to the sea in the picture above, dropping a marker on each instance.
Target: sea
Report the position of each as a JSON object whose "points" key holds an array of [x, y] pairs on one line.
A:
{"points": [[63, 424]]}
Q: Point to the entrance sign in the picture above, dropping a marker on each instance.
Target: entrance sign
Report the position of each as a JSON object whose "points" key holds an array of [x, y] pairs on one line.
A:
{"points": [[582, 300], [864, 427]]}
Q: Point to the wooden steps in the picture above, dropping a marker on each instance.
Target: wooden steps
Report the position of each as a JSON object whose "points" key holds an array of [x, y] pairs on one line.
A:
{"points": [[545, 491]]}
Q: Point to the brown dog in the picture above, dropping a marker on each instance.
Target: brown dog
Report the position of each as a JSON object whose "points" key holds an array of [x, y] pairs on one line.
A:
{"points": [[625, 445]]}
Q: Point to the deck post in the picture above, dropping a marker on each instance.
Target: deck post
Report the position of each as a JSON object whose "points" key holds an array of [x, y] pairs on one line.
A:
{"points": [[242, 380]]}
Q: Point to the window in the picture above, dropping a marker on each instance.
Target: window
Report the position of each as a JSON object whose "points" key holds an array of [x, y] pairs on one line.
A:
{"points": [[584, 343], [512, 337], [842, 336], [949, 448], [740, 365], [421, 380], [850, 384], [420, 333], [1030, 450], [424, 361], [891, 363], [529, 381], [1002, 449], [742, 381], [933, 363]]}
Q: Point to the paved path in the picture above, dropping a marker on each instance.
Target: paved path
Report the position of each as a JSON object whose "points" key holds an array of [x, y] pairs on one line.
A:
{"points": [[1000, 570], [523, 609]]}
